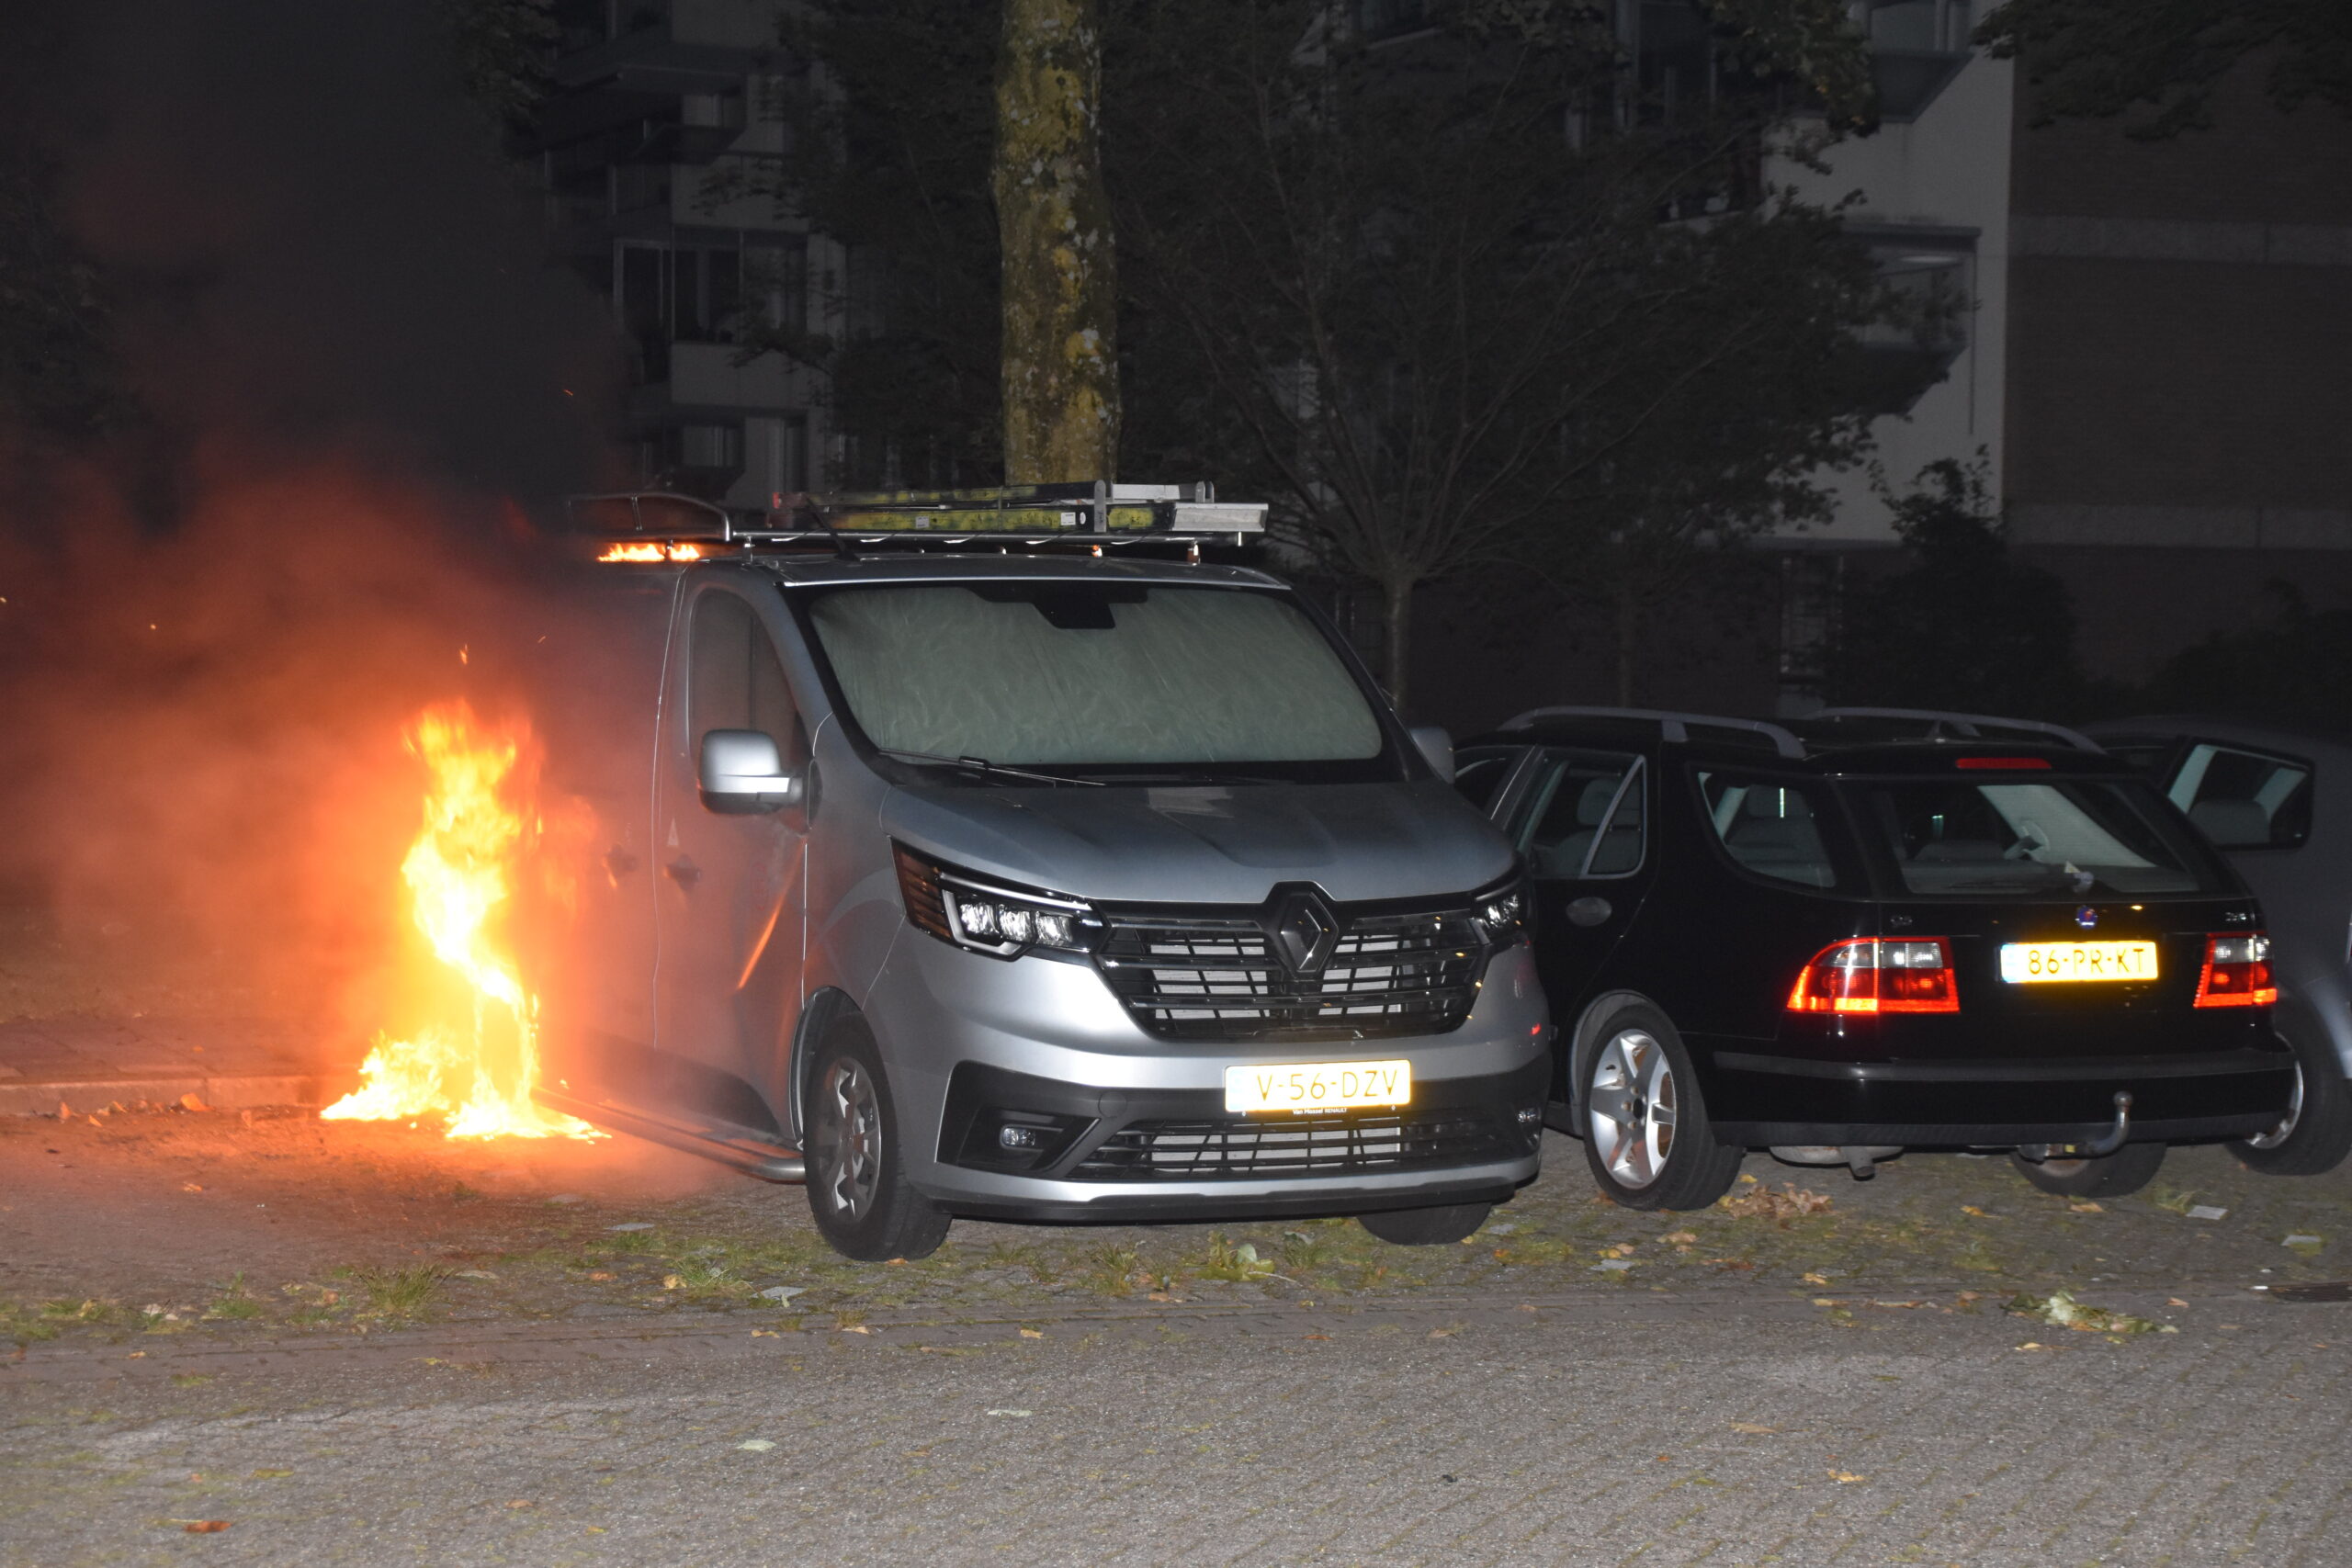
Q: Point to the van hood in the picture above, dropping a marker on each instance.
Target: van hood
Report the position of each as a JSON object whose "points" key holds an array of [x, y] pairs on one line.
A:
{"points": [[1209, 844]]}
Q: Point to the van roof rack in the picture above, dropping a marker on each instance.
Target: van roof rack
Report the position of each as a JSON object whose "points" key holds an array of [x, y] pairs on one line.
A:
{"points": [[1942, 725], [1674, 727], [1093, 513]]}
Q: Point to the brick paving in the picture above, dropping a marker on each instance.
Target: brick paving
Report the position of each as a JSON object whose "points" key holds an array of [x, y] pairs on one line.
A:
{"points": [[1654, 1427]]}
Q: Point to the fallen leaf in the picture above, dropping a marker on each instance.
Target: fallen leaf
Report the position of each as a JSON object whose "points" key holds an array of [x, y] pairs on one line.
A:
{"points": [[918, 1453], [892, 1262], [1032, 1334], [1666, 1459], [2175, 1302], [1972, 1209], [1444, 1333], [756, 1444], [855, 1329], [190, 1186], [1017, 1414], [602, 1276], [189, 1101], [1813, 1279], [518, 1501], [2032, 1345], [1679, 1238], [1753, 1429], [1843, 1477], [204, 1527], [2086, 1208], [1825, 1302]]}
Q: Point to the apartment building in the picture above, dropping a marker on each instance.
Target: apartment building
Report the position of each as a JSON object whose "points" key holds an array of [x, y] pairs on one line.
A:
{"points": [[661, 149], [2155, 356]]}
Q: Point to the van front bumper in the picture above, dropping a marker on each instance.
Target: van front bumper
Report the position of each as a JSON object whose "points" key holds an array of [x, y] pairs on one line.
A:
{"points": [[1132, 1127]]}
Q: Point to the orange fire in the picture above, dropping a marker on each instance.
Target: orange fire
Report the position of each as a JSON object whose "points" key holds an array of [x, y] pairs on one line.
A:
{"points": [[479, 817], [651, 552]]}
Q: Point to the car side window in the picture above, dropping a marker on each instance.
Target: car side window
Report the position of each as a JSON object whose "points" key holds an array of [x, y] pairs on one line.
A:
{"points": [[1479, 774], [734, 679], [2245, 799], [1771, 826], [1584, 816]]}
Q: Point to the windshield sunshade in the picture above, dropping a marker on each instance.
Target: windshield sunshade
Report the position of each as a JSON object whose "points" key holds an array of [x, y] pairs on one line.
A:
{"points": [[2057, 837], [1083, 674]]}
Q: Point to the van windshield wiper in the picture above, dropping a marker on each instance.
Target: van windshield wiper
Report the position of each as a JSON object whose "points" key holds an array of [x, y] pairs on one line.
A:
{"points": [[982, 766]]}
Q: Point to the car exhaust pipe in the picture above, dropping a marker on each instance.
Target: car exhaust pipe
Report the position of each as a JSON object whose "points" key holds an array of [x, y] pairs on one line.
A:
{"points": [[2106, 1144]]}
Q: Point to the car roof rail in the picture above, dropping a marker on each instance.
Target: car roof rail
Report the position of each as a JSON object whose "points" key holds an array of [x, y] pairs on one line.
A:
{"points": [[1967, 726], [1674, 727]]}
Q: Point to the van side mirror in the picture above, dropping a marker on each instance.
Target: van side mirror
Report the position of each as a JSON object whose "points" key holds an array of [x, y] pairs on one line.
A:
{"points": [[743, 774], [1438, 746]]}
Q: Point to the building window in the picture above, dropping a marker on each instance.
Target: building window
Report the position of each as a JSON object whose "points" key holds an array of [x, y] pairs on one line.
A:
{"points": [[710, 448]]}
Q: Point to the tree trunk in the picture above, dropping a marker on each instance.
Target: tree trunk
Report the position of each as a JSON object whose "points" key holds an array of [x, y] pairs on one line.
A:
{"points": [[1061, 386], [1396, 634], [1629, 628]]}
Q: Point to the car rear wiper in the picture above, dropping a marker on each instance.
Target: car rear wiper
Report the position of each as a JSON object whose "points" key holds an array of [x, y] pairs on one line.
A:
{"points": [[985, 768]]}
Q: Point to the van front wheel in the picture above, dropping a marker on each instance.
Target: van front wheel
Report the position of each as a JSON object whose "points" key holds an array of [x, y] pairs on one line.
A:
{"points": [[858, 1191]]}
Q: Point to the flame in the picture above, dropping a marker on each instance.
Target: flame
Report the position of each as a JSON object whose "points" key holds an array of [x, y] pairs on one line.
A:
{"points": [[647, 551], [480, 820]]}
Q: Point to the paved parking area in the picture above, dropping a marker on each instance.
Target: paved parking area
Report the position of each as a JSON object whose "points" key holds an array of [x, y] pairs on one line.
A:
{"points": [[1655, 1428]]}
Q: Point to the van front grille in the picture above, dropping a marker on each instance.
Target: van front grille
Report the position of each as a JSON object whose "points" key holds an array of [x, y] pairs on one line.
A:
{"points": [[1219, 977], [1236, 1148]]}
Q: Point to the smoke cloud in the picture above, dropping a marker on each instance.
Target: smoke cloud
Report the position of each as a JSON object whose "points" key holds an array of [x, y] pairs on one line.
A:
{"points": [[360, 375]]}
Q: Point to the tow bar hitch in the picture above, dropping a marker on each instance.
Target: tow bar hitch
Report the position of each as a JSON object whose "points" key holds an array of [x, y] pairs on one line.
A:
{"points": [[2106, 1144]]}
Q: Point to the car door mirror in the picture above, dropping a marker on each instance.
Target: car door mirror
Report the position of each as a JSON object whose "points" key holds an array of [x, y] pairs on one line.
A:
{"points": [[742, 773], [1438, 746]]}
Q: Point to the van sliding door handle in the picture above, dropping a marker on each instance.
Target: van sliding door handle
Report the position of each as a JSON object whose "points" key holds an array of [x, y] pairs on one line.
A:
{"points": [[683, 872]]}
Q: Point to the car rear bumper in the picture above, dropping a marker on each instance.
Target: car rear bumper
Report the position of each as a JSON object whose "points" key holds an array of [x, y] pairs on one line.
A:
{"points": [[1760, 1099]]}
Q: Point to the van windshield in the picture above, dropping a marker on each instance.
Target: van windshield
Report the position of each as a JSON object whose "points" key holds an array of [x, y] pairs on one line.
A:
{"points": [[2058, 837], [1110, 679]]}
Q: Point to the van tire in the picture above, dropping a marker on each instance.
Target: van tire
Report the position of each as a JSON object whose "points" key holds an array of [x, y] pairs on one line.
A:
{"points": [[2317, 1133], [2125, 1171], [858, 1191], [1427, 1227], [1638, 1067]]}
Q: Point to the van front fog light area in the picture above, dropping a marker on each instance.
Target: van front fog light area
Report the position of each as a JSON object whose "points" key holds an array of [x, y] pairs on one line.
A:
{"points": [[988, 917]]}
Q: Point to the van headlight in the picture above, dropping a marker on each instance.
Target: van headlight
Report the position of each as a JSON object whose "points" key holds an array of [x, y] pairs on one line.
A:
{"points": [[1500, 912], [982, 915]]}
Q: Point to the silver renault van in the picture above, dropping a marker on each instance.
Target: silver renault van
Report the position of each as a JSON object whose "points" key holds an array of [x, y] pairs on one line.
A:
{"points": [[1067, 885]]}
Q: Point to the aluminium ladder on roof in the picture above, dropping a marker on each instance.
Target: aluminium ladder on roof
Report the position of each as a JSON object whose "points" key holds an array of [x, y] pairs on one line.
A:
{"points": [[1085, 512]]}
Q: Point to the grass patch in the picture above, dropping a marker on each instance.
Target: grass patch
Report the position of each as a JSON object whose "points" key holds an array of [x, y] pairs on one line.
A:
{"points": [[1111, 1271], [399, 1293], [233, 1301], [27, 1322]]}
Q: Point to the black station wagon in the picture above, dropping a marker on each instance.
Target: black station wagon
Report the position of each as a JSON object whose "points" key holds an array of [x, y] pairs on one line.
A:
{"points": [[1889, 932]]}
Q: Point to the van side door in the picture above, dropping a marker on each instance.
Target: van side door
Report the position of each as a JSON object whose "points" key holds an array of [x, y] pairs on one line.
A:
{"points": [[730, 888], [596, 686]]}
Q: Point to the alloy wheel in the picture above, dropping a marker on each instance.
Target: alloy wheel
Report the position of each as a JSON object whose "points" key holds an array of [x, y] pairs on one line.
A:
{"points": [[1632, 1108], [2286, 1128], [849, 1140]]}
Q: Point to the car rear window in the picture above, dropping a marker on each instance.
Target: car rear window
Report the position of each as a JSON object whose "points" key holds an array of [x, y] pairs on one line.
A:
{"points": [[2051, 837]]}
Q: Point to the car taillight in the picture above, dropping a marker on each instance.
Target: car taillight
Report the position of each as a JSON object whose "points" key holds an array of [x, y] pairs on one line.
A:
{"points": [[2236, 973], [1868, 975]]}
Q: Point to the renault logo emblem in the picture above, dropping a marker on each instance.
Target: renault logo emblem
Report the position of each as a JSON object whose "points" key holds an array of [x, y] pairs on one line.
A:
{"points": [[1304, 934]]}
